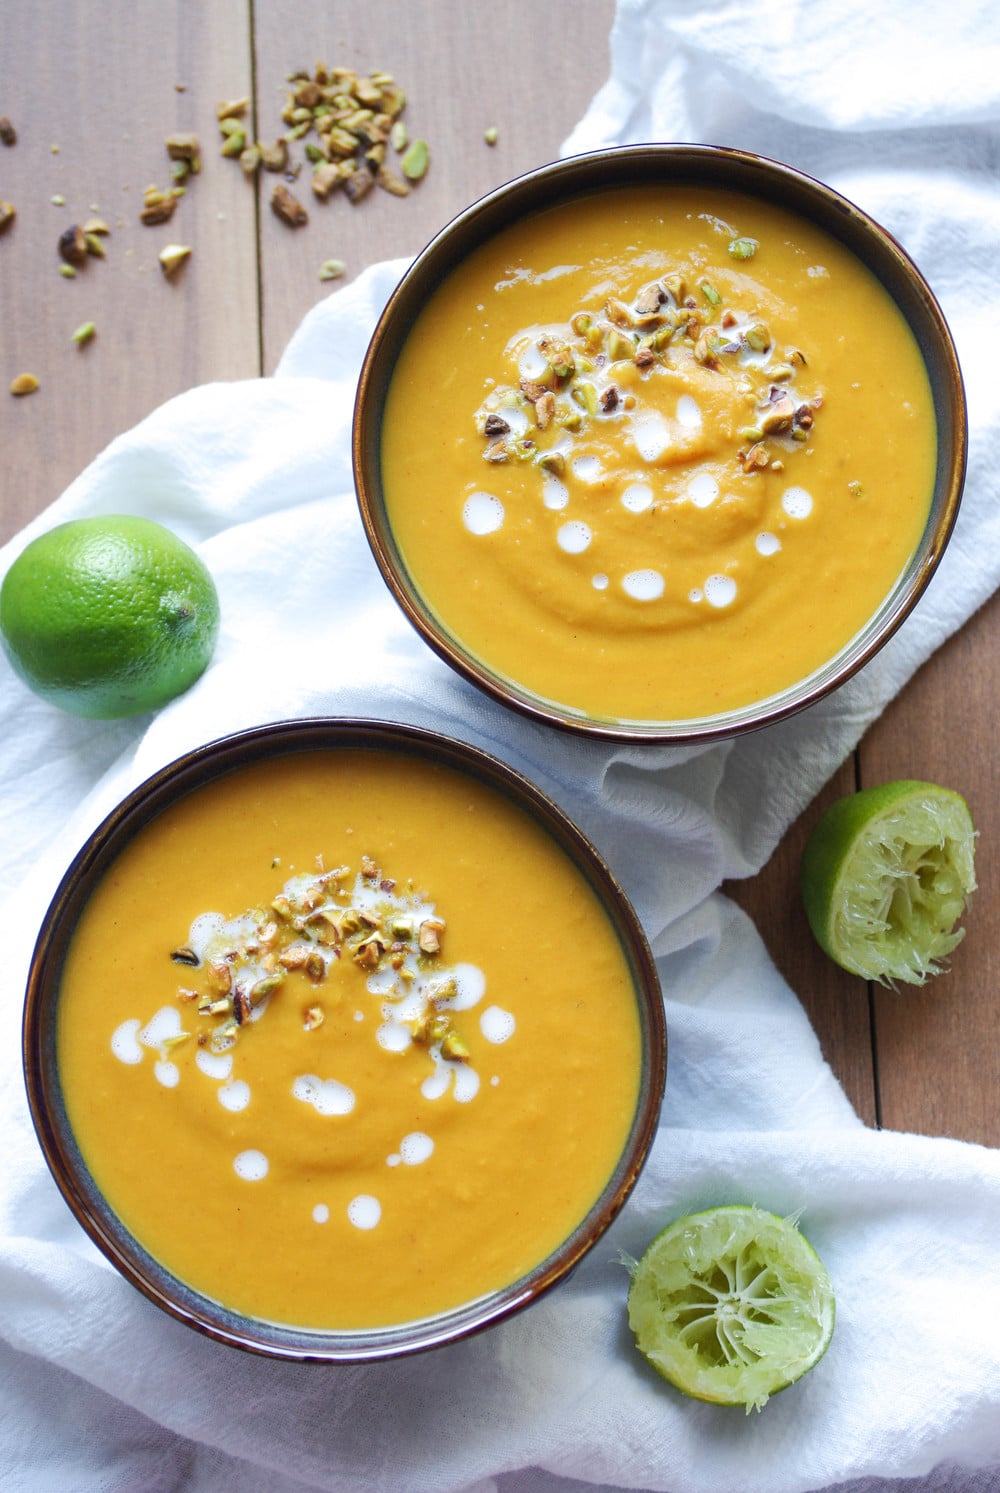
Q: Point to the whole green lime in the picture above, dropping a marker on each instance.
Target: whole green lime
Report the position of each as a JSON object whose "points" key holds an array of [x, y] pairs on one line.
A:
{"points": [[109, 616]]}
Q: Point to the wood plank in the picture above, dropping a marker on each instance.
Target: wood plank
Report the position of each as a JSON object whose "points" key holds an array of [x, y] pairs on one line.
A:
{"points": [[483, 67], [105, 94], [938, 1048], [836, 1003]]}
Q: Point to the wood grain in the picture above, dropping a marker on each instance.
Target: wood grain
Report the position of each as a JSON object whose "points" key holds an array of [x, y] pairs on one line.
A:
{"points": [[480, 67], [105, 94], [938, 1047]]}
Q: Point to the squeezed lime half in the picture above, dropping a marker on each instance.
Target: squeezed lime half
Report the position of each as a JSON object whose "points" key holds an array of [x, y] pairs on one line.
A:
{"points": [[731, 1305], [886, 874]]}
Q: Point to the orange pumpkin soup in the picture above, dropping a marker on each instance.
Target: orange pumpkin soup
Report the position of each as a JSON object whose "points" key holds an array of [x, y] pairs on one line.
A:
{"points": [[346, 1039], [658, 453]]}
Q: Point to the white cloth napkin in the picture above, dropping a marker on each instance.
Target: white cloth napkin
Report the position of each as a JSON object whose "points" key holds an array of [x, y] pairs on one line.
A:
{"points": [[898, 107]]}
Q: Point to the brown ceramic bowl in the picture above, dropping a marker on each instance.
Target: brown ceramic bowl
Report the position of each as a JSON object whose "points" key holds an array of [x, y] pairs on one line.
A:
{"points": [[646, 165], [48, 1107]]}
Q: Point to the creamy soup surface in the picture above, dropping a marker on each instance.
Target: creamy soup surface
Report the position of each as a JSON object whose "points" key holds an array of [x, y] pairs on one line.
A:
{"points": [[659, 453], [346, 1040]]}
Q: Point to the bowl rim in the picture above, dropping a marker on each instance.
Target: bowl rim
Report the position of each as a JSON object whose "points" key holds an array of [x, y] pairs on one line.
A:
{"points": [[186, 774], [728, 168]]}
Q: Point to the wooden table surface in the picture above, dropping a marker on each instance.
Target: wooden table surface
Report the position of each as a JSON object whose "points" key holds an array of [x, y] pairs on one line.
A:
{"points": [[93, 92]]}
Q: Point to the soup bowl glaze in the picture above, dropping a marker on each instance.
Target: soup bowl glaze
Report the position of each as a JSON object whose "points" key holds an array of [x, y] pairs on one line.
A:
{"points": [[499, 217], [84, 1160]]}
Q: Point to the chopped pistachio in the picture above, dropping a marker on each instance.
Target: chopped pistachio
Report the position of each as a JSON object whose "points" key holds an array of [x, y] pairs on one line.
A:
{"points": [[855, 489], [183, 147], [415, 160], [312, 1018], [179, 170], [96, 225], [286, 206], [710, 293], [333, 269], [325, 179], [94, 246], [58, 200], [390, 182], [274, 157], [399, 136], [73, 245], [25, 383], [454, 1047], [230, 125], [84, 333], [172, 256], [358, 184], [159, 207], [67, 271], [231, 108], [743, 248], [250, 160], [8, 212], [491, 134], [234, 144]]}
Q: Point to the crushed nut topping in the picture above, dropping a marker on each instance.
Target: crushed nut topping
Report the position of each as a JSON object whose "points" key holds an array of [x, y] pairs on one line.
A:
{"points": [[315, 924], [575, 377]]}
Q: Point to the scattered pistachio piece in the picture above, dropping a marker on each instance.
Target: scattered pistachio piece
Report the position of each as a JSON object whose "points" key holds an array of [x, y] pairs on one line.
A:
{"points": [[710, 293], [358, 184], [183, 148], [491, 134], [288, 207], [94, 246], [158, 207], [84, 333], [416, 160], [25, 383], [172, 257], [390, 182], [57, 199], [399, 136], [274, 157], [73, 245], [332, 269], [234, 144], [8, 212], [8, 134], [96, 225], [67, 271], [250, 160], [232, 108]]}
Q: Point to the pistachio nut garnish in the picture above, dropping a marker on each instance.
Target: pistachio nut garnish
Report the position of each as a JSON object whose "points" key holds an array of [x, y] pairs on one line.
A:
{"points": [[172, 256], [73, 245], [315, 925], [286, 206]]}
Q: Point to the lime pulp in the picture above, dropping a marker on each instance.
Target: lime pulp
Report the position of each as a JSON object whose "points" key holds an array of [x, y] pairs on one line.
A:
{"points": [[731, 1305], [885, 877]]}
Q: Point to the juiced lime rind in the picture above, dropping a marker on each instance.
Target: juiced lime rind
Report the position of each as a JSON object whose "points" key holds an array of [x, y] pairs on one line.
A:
{"points": [[885, 878], [731, 1305]]}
